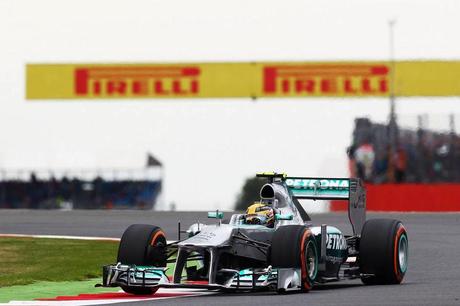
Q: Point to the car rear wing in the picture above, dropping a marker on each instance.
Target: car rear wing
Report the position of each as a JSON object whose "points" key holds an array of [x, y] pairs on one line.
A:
{"points": [[349, 189]]}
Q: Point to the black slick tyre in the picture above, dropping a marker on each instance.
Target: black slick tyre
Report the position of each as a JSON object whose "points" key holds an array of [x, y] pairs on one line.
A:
{"points": [[142, 245], [293, 246], [383, 252]]}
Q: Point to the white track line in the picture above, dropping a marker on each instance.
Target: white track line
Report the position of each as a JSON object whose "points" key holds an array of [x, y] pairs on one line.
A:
{"points": [[66, 237], [190, 292], [59, 237]]}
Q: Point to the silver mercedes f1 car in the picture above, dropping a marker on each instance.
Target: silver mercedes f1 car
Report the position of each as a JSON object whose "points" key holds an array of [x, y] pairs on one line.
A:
{"points": [[290, 254]]}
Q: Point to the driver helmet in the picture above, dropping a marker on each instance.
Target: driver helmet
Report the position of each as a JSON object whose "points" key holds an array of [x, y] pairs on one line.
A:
{"points": [[260, 214]]}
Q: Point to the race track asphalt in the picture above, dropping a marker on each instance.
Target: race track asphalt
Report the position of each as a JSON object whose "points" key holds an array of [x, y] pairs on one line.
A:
{"points": [[433, 277]]}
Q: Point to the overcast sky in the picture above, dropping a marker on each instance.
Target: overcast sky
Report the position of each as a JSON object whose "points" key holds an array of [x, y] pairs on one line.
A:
{"points": [[208, 146]]}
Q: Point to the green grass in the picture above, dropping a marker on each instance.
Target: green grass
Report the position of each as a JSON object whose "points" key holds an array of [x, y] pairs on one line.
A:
{"points": [[25, 260], [39, 268], [51, 290]]}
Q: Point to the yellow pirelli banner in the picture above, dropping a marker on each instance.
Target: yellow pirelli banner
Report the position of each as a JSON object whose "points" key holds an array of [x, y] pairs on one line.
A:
{"points": [[218, 80]]}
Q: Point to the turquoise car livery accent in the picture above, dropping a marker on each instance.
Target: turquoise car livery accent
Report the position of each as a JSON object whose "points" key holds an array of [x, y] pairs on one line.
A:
{"points": [[319, 188]]}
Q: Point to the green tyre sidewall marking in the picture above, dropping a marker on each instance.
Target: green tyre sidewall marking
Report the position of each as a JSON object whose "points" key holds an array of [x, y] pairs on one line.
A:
{"points": [[312, 243], [403, 266]]}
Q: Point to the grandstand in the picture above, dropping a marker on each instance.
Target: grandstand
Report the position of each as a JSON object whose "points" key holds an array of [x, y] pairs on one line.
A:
{"points": [[420, 154], [81, 189]]}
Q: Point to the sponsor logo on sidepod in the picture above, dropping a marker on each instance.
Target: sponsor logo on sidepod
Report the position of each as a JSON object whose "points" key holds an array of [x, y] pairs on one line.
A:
{"points": [[336, 242]]}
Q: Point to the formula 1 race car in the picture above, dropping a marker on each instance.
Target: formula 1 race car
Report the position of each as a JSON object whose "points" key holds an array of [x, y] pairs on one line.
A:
{"points": [[290, 254]]}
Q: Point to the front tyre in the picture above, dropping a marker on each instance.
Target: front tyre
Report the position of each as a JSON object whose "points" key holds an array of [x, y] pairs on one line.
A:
{"points": [[142, 245], [383, 253], [293, 246]]}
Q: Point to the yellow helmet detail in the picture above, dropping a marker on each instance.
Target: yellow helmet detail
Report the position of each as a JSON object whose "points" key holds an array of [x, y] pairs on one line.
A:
{"points": [[259, 213]]}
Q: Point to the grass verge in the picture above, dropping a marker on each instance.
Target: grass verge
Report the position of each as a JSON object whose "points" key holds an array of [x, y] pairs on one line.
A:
{"points": [[27, 260], [50, 290]]}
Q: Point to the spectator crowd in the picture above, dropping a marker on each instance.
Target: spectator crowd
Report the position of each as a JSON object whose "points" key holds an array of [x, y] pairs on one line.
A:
{"points": [[77, 193], [415, 156]]}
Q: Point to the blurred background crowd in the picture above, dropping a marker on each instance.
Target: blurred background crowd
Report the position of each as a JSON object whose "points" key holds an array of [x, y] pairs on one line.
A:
{"points": [[417, 155], [85, 189], [77, 193]]}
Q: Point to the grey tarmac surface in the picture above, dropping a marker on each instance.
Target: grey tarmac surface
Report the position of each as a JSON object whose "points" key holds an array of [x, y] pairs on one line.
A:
{"points": [[433, 277]]}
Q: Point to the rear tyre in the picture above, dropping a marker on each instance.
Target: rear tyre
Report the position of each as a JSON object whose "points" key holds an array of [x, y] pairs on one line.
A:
{"points": [[293, 246], [383, 252], [142, 245]]}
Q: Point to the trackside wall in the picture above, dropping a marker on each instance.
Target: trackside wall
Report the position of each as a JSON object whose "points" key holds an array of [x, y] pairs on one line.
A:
{"points": [[408, 198]]}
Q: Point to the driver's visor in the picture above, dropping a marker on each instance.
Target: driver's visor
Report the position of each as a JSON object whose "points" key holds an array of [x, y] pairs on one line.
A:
{"points": [[252, 217]]}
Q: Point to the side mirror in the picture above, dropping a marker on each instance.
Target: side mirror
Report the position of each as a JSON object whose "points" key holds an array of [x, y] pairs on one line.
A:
{"points": [[284, 217], [216, 215]]}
